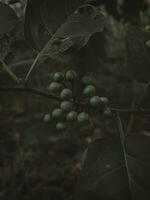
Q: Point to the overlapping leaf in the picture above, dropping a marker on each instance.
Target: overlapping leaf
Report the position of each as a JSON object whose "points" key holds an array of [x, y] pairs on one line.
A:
{"points": [[138, 54], [43, 17], [55, 12], [74, 33], [110, 173], [71, 36], [8, 19]]}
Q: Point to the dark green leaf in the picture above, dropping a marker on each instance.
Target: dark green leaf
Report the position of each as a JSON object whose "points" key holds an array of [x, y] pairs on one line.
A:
{"points": [[34, 29], [138, 54], [55, 12], [8, 19], [109, 174], [75, 32], [72, 35]]}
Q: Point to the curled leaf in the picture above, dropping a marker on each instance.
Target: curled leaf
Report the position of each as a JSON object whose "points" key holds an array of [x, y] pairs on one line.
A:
{"points": [[43, 18]]}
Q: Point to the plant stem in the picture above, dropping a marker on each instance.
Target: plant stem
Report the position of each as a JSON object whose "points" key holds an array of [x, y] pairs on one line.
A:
{"points": [[24, 88], [32, 67], [9, 71], [34, 91], [130, 111], [144, 96], [122, 137], [40, 54]]}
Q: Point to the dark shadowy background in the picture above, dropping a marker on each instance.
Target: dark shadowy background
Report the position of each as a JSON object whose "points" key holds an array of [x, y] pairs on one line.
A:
{"points": [[36, 161]]}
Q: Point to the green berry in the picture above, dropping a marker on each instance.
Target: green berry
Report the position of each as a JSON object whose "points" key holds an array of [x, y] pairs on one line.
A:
{"points": [[107, 112], [71, 75], [83, 117], [95, 101], [57, 113], [87, 80], [55, 87], [47, 118], [71, 116], [66, 94], [104, 100], [147, 43], [60, 126], [58, 76], [66, 106], [89, 90]]}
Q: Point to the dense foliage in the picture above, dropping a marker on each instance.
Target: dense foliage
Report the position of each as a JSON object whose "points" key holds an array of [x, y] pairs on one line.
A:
{"points": [[74, 99]]}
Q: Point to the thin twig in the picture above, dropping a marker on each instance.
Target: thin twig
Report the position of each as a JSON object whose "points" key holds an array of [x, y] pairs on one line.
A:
{"points": [[130, 111], [131, 117], [122, 137], [9, 71], [22, 62], [32, 66], [40, 54], [43, 53], [23, 89]]}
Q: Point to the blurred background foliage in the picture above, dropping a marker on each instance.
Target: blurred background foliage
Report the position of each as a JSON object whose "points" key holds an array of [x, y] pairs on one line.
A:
{"points": [[36, 161]]}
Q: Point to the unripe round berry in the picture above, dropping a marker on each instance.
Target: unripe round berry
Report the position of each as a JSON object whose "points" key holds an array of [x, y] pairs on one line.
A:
{"points": [[107, 112], [58, 76], [57, 113], [66, 94], [55, 87], [66, 106], [104, 100], [71, 116], [87, 80], [47, 118], [147, 43], [83, 117], [71, 75], [60, 126], [89, 90], [95, 101]]}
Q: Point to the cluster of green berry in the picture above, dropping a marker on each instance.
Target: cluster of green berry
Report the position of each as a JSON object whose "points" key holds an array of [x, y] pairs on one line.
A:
{"points": [[68, 110]]}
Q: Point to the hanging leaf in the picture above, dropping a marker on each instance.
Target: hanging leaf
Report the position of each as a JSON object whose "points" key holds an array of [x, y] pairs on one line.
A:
{"points": [[43, 17], [8, 19], [138, 54], [112, 173], [75, 32], [55, 12]]}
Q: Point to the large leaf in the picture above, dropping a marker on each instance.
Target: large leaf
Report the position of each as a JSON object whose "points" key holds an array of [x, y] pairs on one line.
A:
{"points": [[43, 17], [8, 19], [114, 173], [138, 54], [55, 12], [75, 32]]}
